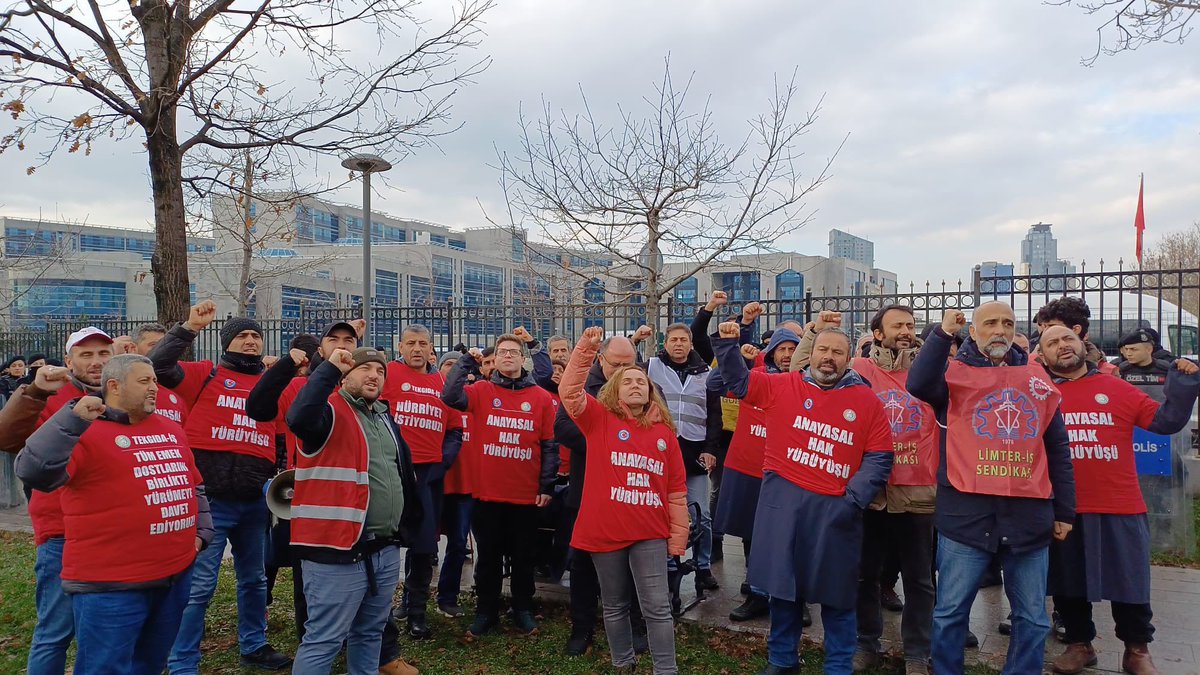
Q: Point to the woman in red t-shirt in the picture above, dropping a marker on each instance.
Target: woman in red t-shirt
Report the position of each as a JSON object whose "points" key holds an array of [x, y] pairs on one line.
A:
{"points": [[634, 508]]}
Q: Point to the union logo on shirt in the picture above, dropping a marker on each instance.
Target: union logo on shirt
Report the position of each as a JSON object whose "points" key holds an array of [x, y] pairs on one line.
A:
{"points": [[406, 387], [230, 384], [496, 403], [1040, 388], [122, 442], [526, 407], [623, 434], [1006, 415], [903, 414]]}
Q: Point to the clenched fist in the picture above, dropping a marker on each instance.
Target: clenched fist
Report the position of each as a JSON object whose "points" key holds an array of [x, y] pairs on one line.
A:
{"points": [[1186, 367], [593, 336], [298, 357], [729, 329], [200, 315], [718, 298], [523, 334], [749, 352], [751, 312], [50, 378], [827, 319], [953, 321], [343, 359], [359, 326], [89, 408], [476, 353], [643, 332]]}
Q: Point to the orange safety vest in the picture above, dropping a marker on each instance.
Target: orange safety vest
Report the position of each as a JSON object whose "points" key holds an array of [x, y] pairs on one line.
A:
{"points": [[994, 429]]}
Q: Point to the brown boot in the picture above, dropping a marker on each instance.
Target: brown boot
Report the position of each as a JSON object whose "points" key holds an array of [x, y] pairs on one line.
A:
{"points": [[1137, 660], [398, 667], [1075, 658]]}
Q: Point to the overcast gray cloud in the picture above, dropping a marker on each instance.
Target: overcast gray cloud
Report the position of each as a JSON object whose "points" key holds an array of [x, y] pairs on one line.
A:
{"points": [[966, 121]]}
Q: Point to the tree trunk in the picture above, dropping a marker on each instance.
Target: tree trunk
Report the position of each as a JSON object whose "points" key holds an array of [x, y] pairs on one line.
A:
{"points": [[243, 295], [652, 254], [169, 263]]}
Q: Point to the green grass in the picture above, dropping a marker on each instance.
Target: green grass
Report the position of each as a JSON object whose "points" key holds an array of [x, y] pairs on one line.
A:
{"points": [[700, 649], [1190, 559]]}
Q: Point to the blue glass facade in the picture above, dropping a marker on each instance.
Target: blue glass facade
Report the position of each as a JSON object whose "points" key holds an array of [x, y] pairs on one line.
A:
{"points": [[23, 241], [789, 289], [443, 279], [294, 299], [483, 286], [686, 296], [44, 299], [419, 291], [740, 286]]}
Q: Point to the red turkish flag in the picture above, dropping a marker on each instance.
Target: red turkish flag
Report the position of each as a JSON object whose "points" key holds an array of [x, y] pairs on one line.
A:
{"points": [[1139, 220]]}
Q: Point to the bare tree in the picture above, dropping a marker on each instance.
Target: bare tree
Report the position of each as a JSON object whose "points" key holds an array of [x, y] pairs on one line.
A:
{"points": [[660, 188], [1130, 24], [189, 76], [1178, 251], [247, 208]]}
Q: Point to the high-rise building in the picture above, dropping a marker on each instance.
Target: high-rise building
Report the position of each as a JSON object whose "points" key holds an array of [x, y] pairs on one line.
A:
{"points": [[1039, 253], [992, 270], [851, 247]]}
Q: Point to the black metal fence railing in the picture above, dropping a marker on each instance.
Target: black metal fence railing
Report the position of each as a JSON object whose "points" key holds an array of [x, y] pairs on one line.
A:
{"points": [[1121, 300]]}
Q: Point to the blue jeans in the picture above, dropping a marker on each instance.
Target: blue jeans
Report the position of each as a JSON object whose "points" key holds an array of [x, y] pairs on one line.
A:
{"points": [[697, 493], [456, 524], [959, 570], [55, 622], [244, 526], [128, 631], [787, 622], [341, 608]]}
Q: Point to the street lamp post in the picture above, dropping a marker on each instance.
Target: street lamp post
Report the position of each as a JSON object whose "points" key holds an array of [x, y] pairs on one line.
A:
{"points": [[367, 164]]}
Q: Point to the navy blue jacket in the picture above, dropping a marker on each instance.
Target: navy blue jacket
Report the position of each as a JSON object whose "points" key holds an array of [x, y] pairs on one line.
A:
{"points": [[988, 522]]}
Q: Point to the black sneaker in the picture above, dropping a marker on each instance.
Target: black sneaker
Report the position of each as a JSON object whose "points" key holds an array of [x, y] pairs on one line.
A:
{"points": [[706, 581], [745, 589], [890, 601], [525, 622], [773, 669], [266, 658], [400, 612], [482, 625], [753, 607], [972, 641], [805, 619], [579, 643], [450, 611], [1005, 626], [418, 627]]}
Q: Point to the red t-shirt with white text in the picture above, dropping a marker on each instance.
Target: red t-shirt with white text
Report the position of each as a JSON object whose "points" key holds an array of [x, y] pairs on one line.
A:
{"points": [[509, 426], [415, 401]]}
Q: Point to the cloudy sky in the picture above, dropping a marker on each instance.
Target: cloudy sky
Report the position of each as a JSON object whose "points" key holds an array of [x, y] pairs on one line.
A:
{"points": [[967, 121]]}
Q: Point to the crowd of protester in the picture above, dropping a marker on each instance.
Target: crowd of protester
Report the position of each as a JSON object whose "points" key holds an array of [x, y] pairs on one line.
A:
{"points": [[945, 460]]}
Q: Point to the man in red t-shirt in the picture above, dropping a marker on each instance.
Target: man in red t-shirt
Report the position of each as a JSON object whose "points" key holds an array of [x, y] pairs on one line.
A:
{"points": [[433, 431], [134, 513], [1107, 556], [828, 453], [514, 435]]}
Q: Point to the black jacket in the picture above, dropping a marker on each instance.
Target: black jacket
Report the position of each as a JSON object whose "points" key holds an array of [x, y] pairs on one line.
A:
{"points": [[454, 394], [227, 475], [311, 419], [988, 522], [567, 433]]}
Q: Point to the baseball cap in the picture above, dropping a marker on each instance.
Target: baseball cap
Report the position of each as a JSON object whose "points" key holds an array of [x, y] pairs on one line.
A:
{"points": [[343, 325], [84, 334]]}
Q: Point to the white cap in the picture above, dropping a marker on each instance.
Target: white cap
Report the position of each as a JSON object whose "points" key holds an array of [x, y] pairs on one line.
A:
{"points": [[85, 333]]}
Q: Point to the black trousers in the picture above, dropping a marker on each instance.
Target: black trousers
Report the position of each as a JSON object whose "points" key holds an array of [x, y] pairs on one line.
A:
{"points": [[504, 530], [911, 536], [1133, 621]]}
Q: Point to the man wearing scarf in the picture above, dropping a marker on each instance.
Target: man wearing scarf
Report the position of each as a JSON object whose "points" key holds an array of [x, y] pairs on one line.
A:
{"points": [[236, 457]]}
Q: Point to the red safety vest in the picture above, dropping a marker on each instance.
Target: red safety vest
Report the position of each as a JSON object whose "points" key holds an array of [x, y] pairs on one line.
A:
{"points": [[913, 422], [994, 429], [329, 508], [217, 420]]}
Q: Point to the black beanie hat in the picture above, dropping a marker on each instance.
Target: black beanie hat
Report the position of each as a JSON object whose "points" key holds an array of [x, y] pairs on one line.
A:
{"points": [[234, 326]]}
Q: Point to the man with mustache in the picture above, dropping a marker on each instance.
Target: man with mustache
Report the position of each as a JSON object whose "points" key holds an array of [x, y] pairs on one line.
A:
{"points": [[828, 452], [1107, 557], [1005, 485]]}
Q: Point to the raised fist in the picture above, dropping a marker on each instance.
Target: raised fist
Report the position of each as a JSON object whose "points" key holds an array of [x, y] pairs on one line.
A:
{"points": [[953, 321], [50, 378], [298, 357], [1186, 367], [269, 360], [201, 314], [751, 312], [718, 298], [593, 336], [359, 326], [643, 332], [729, 329], [343, 359], [89, 408], [827, 319], [749, 352], [477, 353], [523, 334]]}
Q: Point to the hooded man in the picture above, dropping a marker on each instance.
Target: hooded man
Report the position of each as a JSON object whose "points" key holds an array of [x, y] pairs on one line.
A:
{"points": [[743, 474], [1005, 486], [1107, 555], [236, 457]]}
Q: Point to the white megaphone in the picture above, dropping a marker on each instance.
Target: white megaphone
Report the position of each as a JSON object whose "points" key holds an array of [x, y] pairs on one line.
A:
{"points": [[279, 492]]}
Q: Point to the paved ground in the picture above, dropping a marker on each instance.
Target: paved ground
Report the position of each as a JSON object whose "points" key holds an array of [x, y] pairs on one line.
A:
{"points": [[1176, 601]]}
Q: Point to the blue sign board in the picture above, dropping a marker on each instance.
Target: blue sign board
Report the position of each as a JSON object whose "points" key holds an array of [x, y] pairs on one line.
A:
{"points": [[1152, 452]]}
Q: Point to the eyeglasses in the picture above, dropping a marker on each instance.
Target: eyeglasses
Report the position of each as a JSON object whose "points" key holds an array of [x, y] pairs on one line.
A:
{"points": [[508, 352], [616, 365]]}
